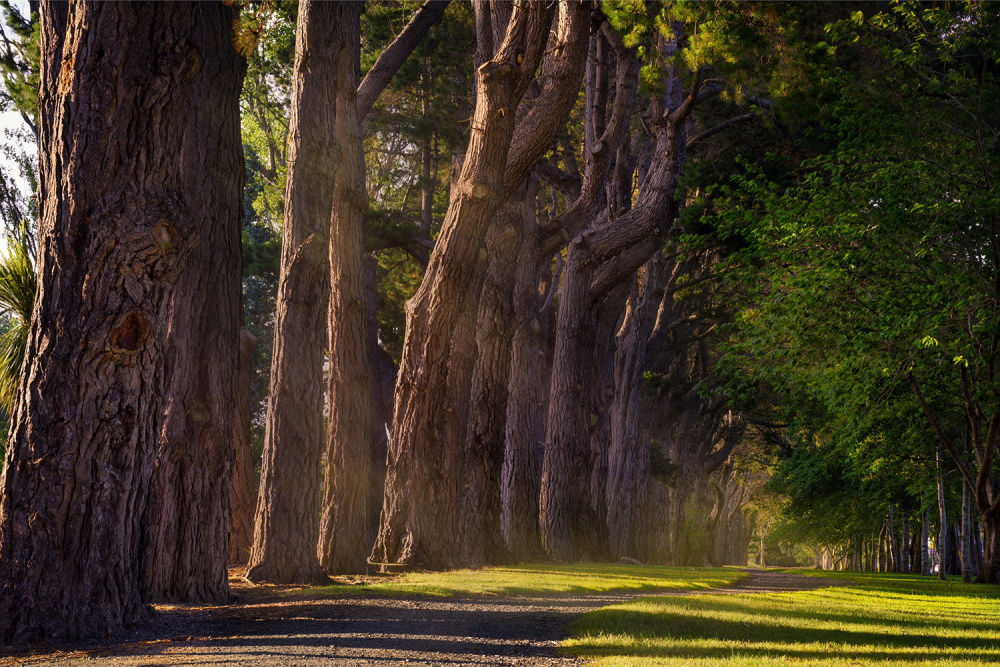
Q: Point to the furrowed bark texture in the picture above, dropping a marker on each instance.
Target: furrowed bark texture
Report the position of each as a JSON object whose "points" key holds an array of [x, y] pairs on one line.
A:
{"points": [[423, 490], [244, 475], [286, 527], [484, 445], [143, 92], [538, 120], [628, 460], [187, 518], [527, 396], [344, 531], [51, 32], [567, 520]]}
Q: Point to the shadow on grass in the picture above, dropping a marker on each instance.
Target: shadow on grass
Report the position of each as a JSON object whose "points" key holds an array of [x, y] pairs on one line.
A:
{"points": [[901, 620]]}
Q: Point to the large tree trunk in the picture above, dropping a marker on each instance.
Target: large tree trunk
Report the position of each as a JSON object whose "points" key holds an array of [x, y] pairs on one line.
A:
{"points": [[187, 518], [286, 529], [566, 513], [527, 395], [344, 530], [628, 460], [137, 212], [244, 475], [423, 490], [484, 439]]}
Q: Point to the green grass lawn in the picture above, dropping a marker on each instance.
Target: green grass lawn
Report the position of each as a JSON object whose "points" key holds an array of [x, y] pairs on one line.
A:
{"points": [[537, 579], [893, 619]]}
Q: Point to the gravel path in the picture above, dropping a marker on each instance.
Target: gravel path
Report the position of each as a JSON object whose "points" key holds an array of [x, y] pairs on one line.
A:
{"points": [[373, 631]]}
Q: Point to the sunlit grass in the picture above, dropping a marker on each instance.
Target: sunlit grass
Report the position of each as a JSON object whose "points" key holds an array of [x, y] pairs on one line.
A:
{"points": [[891, 619], [539, 579]]}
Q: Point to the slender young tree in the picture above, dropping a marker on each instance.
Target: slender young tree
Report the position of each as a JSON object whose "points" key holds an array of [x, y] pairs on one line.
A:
{"points": [[132, 203]]}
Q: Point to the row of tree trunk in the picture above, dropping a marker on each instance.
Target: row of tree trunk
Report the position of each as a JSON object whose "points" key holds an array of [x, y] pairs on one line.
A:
{"points": [[519, 417], [957, 550], [520, 422]]}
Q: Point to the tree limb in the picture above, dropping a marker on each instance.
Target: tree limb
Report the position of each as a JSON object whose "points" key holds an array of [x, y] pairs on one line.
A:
{"points": [[381, 73]]}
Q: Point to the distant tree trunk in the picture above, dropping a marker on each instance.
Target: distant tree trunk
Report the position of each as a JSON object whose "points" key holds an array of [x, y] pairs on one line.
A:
{"points": [[881, 551], [420, 516], [344, 530], [286, 529], [383, 387], [925, 556], [244, 475], [905, 546], [977, 549], [133, 209], [352, 441], [966, 550], [601, 393], [942, 536], [484, 439], [567, 518], [897, 565], [484, 432]]}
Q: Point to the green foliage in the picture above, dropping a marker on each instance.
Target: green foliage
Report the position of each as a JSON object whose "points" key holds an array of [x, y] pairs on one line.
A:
{"points": [[19, 62], [18, 284], [877, 256]]}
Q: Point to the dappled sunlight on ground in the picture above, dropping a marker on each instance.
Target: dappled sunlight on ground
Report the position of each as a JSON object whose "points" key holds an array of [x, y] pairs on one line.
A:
{"points": [[901, 620]]}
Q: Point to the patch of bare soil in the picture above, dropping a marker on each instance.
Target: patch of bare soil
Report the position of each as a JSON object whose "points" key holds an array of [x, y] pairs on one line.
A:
{"points": [[265, 628]]}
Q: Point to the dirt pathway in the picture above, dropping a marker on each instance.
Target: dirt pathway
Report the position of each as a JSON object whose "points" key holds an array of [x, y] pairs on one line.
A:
{"points": [[375, 631]]}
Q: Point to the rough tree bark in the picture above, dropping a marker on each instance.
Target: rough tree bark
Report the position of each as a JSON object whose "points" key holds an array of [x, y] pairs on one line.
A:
{"points": [[527, 393], [348, 524], [628, 459], [420, 516], [133, 204], [187, 517], [343, 541], [244, 475], [598, 261], [538, 121], [286, 528]]}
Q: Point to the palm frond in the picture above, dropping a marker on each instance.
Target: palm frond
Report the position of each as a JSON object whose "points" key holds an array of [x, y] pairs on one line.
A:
{"points": [[18, 283]]}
